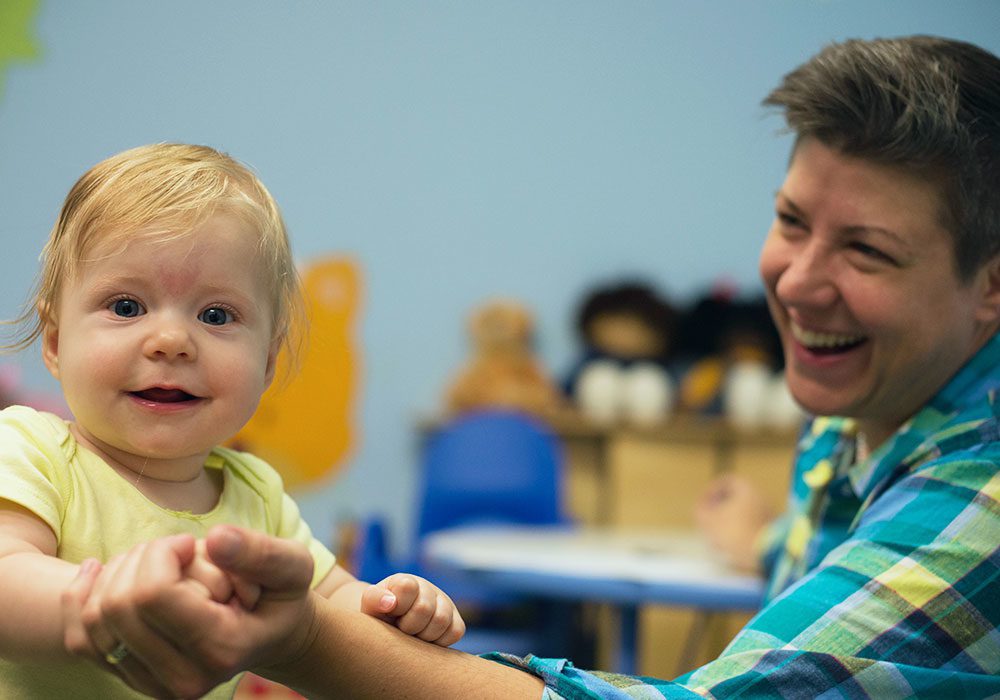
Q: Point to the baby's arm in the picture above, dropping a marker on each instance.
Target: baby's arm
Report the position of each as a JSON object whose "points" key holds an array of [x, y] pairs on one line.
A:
{"points": [[413, 604], [32, 580]]}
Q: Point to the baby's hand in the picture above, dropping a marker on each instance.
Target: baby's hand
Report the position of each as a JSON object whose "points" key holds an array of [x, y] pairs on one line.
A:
{"points": [[416, 606]]}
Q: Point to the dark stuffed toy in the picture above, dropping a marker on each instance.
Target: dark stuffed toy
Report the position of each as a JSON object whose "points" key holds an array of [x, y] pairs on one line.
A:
{"points": [[627, 332], [732, 360]]}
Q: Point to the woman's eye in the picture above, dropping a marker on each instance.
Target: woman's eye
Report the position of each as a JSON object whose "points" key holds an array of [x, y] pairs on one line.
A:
{"points": [[873, 253], [127, 308], [215, 316], [788, 219]]}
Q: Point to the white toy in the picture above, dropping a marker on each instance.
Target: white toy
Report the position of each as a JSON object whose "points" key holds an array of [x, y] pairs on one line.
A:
{"points": [[755, 398], [641, 394]]}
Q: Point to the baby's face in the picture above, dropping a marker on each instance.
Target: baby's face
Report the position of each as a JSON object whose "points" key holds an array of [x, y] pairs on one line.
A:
{"points": [[164, 349]]}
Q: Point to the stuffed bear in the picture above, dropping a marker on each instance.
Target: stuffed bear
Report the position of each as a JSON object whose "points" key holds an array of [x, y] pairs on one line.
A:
{"points": [[503, 372]]}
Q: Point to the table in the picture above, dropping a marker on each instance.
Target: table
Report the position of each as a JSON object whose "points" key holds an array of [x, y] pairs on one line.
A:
{"points": [[624, 568]]}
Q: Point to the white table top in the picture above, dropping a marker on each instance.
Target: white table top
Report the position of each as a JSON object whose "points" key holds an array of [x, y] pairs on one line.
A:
{"points": [[653, 560]]}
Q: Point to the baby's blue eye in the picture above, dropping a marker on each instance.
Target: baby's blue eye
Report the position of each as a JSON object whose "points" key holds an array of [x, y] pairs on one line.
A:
{"points": [[126, 308], [215, 316]]}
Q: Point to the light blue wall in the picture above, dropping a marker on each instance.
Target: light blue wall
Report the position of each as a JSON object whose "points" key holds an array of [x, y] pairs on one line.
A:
{"points": [[458, 149]]}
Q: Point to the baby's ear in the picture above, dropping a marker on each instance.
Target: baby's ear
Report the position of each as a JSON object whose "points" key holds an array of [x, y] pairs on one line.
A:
{"points": [[50, 338], [272, 361]]}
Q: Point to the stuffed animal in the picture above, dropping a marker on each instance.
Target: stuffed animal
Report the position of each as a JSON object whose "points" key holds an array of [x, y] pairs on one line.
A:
{"points": [[503, 371], [734, 363], [627, 334]]}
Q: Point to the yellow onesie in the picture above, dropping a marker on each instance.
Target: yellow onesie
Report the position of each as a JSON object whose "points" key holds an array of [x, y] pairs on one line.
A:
{"points": [[95, 512]]}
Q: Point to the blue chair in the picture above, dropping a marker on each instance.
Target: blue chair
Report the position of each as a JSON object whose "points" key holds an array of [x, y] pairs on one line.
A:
{"points": [[485, 467], [491, 467]]}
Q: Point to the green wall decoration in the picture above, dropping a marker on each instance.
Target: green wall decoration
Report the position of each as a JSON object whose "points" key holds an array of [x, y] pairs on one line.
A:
{"points": [[17, 40]]}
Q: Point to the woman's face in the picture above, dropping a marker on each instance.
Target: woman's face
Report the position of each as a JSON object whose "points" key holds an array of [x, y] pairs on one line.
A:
{"points": [[861, 280]]}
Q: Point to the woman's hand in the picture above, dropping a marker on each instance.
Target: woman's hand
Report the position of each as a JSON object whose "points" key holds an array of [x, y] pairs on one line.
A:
{"points": [[172, 638], [731, 514]]}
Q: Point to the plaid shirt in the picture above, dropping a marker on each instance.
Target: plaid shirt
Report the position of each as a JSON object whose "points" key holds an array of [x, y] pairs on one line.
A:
{"points": [[886, 580]]}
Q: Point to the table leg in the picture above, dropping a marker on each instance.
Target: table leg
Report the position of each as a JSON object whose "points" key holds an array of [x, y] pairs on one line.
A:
{"points": [[628, 631], [695, 638]]}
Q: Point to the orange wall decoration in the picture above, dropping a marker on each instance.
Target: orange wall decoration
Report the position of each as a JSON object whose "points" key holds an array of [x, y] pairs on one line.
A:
{"points": [[305, 425]]}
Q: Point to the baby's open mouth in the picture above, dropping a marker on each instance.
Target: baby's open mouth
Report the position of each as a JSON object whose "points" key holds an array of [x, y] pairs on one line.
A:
{"points": [[158, 395]]}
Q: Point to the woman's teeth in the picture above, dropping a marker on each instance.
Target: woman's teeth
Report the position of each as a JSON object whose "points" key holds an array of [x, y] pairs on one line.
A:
{"points": [[824, 341]]}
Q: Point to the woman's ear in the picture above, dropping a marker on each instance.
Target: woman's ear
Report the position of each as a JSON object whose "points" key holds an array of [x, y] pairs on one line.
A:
{"points": [[989, 306], [50, 338]]}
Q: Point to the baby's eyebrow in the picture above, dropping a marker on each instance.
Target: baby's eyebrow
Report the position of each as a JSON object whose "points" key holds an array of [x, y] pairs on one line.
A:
{"points": [[117, 283], [225, 293]]}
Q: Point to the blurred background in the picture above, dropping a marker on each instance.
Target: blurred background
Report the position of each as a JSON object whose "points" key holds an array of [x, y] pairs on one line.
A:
{"points": [[434, 155]]}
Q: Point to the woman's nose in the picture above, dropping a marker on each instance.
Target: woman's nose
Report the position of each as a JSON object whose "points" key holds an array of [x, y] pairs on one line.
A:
{"points": [[808, 278]]}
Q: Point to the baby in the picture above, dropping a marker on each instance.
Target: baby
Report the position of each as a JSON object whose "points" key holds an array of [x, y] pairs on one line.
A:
{"points": [[167, 290]]}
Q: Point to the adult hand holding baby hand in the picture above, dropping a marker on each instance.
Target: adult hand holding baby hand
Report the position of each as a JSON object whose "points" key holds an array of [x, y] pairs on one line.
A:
{"points": [[217, 585], [101, 607], [180, 640]]}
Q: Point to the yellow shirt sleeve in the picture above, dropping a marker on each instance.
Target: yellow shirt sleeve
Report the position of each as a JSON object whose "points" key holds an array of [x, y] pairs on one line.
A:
{"points": [[294, 527], [33, 463]]}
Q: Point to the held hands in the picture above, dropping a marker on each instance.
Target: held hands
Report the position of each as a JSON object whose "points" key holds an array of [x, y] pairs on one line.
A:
{"points": [[175, 620], [171, 626], [416, 607], [200, 576], [203, 575]]}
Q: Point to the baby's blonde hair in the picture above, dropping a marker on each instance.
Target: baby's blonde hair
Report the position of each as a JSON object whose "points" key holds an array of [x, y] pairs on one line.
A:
{"points": [[164, 191]]}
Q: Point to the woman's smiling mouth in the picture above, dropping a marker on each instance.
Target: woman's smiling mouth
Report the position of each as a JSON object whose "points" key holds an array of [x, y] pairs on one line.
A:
{"points": [[825, 343]]}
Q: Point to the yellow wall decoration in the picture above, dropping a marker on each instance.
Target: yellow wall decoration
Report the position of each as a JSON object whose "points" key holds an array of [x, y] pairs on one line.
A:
{"points": [[305, 424]]}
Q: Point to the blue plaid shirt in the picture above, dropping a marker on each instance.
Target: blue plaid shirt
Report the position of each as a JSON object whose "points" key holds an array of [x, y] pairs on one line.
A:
{"points": [[885, 578]]}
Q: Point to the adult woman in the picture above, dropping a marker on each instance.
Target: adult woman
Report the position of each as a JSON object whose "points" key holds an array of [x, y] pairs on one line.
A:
{"points": [[883, 274]]}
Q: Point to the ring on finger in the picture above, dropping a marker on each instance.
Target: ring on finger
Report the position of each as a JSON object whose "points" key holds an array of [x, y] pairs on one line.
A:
{"points": [[117, 655]]}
